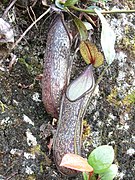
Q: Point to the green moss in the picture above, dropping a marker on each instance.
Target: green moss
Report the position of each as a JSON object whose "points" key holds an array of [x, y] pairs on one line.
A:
{"points": [[31, 177], [41, 167], [129, 99], [2, 107], [37, 151], [128, 41], [5, 1], [86, 129], [112, 98], [127, 102], [22, 61], [33, 67]]}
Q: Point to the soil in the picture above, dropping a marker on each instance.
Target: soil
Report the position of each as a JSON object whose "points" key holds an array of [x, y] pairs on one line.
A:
{"points": [[25, 126]]}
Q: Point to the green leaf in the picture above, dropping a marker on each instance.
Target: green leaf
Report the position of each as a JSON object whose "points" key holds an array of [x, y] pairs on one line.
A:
{"points": [[81, 28], [58, 4], [90, 53], [108, 38], [70, 2], [101, 158], [85, 176], [89, 176], [110, 173]]}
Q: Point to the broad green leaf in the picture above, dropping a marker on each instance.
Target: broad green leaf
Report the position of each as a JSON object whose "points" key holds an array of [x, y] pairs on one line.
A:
{"points": [[76, 162], [108, 38], [90, 54], [70, 2], [81, 28], [110, 173], [101, 158], [85, 82]]}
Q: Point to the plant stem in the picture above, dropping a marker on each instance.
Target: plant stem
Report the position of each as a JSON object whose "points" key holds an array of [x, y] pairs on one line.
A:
{"points": [[101, 76], [103, 12]]}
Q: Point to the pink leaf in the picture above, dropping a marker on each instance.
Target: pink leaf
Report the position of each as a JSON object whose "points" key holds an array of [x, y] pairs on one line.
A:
{"points": [[76, 162]]}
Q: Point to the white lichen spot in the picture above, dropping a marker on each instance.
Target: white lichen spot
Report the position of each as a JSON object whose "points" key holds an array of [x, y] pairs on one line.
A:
{"points": [[112, 143], [121, 75], [133, 138], [16, 152], [96, 138], [13, 151], [27, 120], [96, 115], [121, 175], [111, 116], [29, 170], [130, 151], [35, 97], [29, 155], [110, 134], [121, 56], [100, 123], [2, 69], [5, 121], [6, 31], [31, 140], [125, 127], [126, 116]]}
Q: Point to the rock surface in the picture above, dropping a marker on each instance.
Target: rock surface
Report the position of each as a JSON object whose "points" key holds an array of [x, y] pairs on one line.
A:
{"points": [[23, 148]]}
